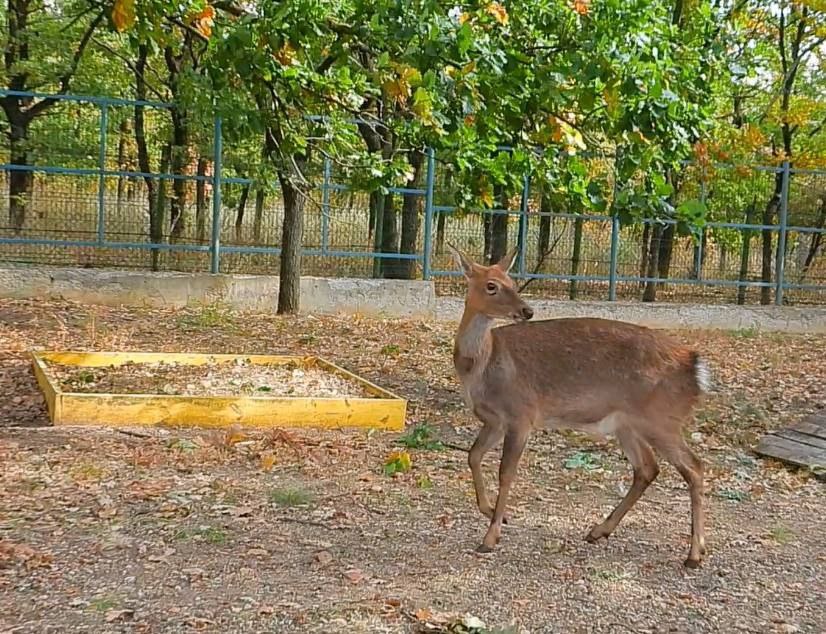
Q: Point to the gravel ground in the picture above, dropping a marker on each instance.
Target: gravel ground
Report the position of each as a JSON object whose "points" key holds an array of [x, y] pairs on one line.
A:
{"points": [[172, 530]]}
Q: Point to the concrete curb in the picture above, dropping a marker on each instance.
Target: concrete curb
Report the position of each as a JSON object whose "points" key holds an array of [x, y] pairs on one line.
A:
{"points": [[791, 319], [390, 298]]}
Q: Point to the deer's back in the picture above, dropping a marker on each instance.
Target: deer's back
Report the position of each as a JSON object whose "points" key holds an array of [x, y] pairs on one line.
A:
{"points": [[579, 371]]}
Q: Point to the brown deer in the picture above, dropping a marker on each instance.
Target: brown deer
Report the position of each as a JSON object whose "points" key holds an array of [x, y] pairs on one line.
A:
{"points": [[598, 376]]}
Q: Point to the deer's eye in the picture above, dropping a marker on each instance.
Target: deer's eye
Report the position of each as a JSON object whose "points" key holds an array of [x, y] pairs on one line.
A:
{"points": [[492, 288]]}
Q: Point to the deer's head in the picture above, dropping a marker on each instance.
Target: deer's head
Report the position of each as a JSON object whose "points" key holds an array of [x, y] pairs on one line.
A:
{"points": [[490, 290]]}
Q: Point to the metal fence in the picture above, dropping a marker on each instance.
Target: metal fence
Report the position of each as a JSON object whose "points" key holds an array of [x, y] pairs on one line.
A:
{"points": [[89, 202]]}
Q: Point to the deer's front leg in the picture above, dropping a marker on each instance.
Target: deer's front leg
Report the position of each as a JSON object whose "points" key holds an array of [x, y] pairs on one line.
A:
{"points": [[515, 440], [488, 436]]}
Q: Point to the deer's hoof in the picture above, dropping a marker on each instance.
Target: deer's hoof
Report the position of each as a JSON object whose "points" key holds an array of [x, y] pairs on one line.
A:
{"points": [[595, 534], [482, 549], [692, 564]]}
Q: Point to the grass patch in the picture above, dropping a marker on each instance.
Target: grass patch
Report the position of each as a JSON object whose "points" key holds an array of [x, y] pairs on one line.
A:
{"points": [[782, 534], [291, 497], [210, 534], [103, 604], [207, 317], [733, 495], [745, 333], [421, 437]]}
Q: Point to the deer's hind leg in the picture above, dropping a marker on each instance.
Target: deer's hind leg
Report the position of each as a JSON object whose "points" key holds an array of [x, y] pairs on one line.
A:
{"points": [[676, 451], [646, 470]]}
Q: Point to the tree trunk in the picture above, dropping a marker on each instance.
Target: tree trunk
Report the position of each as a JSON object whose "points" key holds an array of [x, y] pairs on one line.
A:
{"points": [[180, 146], [745, 254], [21, 182], [767, 247], [377, 224], [666, 250], [817, 239], [123, 133], [440, 232], [157, 213], [499, 228], [650, 292], [201, 202], [576, 256], [699, 256], [239, 214], [292, 238], [486, 229], [259, 215], [144, 164], [410, 220], [391, 268], [543, 242], [644, 247]]}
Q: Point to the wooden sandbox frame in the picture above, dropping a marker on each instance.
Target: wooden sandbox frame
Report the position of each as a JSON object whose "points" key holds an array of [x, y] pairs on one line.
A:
{"points": [[385, 411]]}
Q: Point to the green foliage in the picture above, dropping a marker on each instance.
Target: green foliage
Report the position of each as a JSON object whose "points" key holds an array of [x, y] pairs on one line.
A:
{"points": [[421, 437]]}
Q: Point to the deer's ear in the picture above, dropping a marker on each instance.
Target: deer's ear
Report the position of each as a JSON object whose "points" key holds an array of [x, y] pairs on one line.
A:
{"points": [[508, 260], [462, 261]]}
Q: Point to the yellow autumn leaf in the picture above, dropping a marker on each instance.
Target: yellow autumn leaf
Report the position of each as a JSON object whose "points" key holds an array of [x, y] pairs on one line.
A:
{"points": [[234, 435], [123, 14], [464, 17], [267, 460], [498, 12], [285, 55], [398, 462], [611, 96]]}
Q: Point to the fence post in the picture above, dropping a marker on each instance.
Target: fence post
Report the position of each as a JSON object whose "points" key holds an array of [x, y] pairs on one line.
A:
{"points": [[523, 226], [428, 213], [215, 239], [325, 205], [612, 272], [104, 129], [780, 259]]}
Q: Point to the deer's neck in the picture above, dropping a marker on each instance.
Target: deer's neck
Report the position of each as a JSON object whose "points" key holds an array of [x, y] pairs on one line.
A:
{"points": [[473, 341]]}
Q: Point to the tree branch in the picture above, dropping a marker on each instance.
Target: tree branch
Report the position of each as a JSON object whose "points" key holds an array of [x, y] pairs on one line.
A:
{"points": [[41, 106]]}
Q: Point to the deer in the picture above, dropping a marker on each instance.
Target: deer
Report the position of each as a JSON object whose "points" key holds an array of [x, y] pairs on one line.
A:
{"points": [[593, 375]]}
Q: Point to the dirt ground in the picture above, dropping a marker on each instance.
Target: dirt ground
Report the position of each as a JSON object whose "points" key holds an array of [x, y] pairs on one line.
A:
{"points": [[170, 530]]}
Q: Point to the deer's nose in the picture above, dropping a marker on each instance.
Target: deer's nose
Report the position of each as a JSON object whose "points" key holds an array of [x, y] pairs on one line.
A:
{"points": [[527, 312]]}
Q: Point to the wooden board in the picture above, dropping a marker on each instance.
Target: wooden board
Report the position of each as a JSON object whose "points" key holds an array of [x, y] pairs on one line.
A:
{"points": [[384, 411], [802, 444]]}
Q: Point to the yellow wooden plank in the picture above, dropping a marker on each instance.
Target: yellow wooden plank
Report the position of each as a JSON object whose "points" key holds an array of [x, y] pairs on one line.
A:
{"points": [[50, 392], [99, 359], [150, 410], [370, 387]]}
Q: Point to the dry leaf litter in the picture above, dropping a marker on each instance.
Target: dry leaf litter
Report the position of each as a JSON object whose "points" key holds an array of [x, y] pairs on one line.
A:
{"points": [[170, 530]]}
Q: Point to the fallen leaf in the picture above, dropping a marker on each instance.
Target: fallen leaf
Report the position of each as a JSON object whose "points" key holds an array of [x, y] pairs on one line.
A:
{"points": [[354, 575], [267, 460], [323, 557], [118, 615]]}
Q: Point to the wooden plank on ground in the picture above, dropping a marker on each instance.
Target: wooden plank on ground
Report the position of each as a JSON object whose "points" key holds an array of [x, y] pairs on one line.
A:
{"points": [[803, 439], [802, 444]]}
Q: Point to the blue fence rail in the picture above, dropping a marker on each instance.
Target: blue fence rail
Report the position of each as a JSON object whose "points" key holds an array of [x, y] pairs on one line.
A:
{"points": [[611, 260]]}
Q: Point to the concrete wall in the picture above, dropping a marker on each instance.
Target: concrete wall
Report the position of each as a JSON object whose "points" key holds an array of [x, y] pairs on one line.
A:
{"points": [[805, 319], [391, 298]]}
